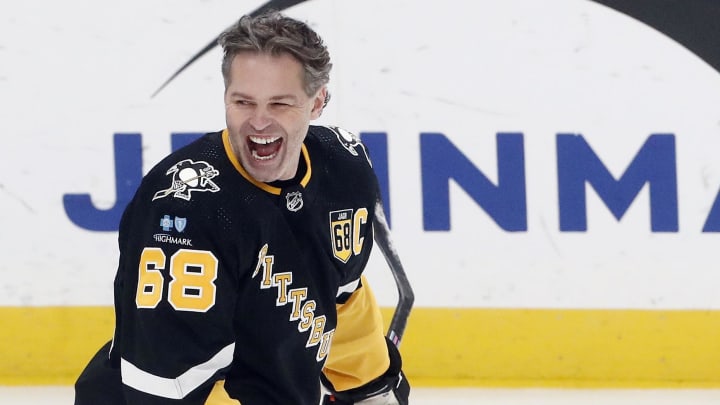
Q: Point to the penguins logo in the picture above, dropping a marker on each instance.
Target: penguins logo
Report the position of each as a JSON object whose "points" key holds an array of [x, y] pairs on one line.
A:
{"points": [[189, 176], [347, 139]]}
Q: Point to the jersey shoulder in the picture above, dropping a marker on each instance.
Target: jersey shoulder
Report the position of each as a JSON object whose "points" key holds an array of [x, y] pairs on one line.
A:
{"points": [[196, 182], [339, 144], [342, 157]]}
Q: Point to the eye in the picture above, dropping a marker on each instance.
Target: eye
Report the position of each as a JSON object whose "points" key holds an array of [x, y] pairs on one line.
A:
{"points": [[242, 102], [280, 104]]}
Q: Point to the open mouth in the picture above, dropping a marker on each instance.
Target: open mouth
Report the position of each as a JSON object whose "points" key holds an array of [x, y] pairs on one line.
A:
{"points": [[264, 148]]}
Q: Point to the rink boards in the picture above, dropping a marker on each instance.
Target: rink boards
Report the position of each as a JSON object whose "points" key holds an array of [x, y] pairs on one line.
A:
{"points": [[443, 347]]}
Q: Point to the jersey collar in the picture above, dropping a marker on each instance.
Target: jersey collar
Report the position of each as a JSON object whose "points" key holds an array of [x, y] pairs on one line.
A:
{"points": [[264, 186]]}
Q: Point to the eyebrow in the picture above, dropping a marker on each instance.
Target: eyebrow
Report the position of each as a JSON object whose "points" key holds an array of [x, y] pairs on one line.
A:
{"points": [[273, 98]]}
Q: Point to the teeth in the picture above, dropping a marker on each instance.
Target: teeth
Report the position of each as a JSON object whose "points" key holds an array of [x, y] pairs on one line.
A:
{"points": [[263, 140], [258, 157]]}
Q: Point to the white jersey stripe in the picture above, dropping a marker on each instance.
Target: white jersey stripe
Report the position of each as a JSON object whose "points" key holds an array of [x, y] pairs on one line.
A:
{"points": [[348, 288], [175, 388]]}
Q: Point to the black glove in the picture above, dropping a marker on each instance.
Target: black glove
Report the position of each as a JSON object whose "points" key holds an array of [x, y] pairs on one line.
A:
{"points": [[391, 388]]}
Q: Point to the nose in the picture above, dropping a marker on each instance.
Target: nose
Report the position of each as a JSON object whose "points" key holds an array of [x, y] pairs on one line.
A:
{"points": [[260, 118]]}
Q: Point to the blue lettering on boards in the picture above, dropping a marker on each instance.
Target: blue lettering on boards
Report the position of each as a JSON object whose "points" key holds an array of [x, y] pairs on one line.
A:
{"points": [[442, 161], [654, 164]]}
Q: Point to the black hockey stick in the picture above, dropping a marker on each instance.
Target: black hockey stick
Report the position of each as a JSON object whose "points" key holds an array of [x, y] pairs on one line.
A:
{"points": [[406, 297], [278, 5]]}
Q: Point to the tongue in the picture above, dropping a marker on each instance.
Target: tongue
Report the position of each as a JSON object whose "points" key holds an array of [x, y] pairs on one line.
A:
{"points": [[267, 149]]}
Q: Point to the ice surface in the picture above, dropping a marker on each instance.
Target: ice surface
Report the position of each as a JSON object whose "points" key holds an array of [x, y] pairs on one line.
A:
{"points": [[51, 395]]}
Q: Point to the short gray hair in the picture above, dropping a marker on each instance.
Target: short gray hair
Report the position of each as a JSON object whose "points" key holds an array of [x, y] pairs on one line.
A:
{"points": [[275, 34]]}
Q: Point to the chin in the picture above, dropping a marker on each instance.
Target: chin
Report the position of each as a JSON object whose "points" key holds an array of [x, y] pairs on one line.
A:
{"points": [[264, 176]]}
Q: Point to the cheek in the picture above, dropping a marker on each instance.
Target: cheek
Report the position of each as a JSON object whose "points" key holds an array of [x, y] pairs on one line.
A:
{"points": [[296, 139], [233, 117], [228, 114]]}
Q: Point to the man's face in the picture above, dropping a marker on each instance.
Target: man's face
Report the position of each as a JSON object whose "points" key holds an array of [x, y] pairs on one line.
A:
{"points": [[268, 113]]}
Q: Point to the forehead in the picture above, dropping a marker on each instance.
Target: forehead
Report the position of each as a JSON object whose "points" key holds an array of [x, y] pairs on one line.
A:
{"points": [[263, 72]]}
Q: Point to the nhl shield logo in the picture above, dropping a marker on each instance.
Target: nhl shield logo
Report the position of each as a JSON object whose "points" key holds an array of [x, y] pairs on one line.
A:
{"points": [[294, 201]]}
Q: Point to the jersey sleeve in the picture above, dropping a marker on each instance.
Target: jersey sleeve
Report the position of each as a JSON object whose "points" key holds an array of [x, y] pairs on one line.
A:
{"points": [[175, 297], [359, 353], [367, 194]]}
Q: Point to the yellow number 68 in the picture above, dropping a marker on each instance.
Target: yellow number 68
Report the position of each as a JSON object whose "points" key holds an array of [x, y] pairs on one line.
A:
{"points": [[193, 274]]}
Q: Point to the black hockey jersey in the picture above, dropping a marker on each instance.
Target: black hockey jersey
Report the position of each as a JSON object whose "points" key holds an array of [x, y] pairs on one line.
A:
{"points": [[229, 290]]}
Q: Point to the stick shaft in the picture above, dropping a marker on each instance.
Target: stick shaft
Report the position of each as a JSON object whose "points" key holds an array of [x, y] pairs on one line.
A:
{"points": [[406, 296]]}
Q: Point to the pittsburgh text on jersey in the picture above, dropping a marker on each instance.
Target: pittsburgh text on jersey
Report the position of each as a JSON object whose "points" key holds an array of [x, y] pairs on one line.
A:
{"points": [[302, 309]]}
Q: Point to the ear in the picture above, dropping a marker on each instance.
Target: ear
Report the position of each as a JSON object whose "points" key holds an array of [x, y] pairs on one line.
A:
{"points": [[319, 103]]}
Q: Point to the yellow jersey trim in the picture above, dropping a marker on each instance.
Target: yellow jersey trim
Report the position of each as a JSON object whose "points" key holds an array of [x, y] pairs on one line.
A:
{"points": [[218, 395], [358, 353]]}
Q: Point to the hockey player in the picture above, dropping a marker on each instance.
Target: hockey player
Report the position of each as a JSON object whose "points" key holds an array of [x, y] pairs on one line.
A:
{"points": [[241, 255]]}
